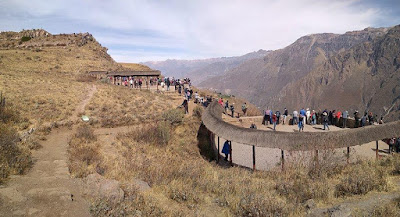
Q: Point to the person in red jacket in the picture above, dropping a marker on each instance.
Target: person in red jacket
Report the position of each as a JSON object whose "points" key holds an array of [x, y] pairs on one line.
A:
{"points": [[274, 119], [338, 114]]}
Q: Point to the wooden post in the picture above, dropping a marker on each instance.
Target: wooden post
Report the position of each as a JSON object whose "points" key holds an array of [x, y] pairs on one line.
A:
{"points": [[230, 152], [218, 151], [282, 159], [254, 158], [316, 158], [377, 150], [348, 155]]}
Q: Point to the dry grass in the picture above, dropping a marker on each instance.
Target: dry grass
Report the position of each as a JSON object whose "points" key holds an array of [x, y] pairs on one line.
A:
{"points": [[84, 155], [114, 106], [182, 180], [15, 157]]}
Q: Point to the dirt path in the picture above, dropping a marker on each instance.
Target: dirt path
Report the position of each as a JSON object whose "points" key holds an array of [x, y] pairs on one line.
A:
{"points": [[47, 189]]}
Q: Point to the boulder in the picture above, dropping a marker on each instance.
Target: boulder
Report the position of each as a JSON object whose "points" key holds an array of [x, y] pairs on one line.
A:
{"points": [[98, 186]]}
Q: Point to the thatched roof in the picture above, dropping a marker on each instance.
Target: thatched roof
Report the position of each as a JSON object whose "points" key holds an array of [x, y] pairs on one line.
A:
{"points": [[128, 73], [296, 141]]}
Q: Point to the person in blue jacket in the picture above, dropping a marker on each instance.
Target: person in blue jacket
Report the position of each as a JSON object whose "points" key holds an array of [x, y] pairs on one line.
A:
{"points": [[226, 149]]}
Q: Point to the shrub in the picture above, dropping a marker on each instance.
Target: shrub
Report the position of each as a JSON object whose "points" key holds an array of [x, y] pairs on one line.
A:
{"points": [[198, 111], [255, 204], [13, 158], [369, 177], [173, 116], [152, 134], [25, 38], [86, 133]]}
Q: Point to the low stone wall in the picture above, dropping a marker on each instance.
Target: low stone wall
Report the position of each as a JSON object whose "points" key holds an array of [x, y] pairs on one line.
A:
{"points": [[296, 141]]}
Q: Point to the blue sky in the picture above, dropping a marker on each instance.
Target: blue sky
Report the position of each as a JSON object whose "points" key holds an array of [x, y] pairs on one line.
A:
{"points": [[144, 30]]}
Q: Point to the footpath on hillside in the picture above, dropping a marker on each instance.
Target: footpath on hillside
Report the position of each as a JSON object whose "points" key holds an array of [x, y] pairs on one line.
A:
{"points": [[47, 189]]}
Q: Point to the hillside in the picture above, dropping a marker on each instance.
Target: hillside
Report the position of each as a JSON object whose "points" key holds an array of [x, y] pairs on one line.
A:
{"points": [[262, 79], [39, 72], [202, 69], [365, 77]]}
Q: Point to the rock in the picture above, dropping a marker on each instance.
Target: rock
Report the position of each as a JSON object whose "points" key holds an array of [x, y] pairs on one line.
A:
{"points": [[98, 186], [141, 185], [339, 211], [310, 204]]}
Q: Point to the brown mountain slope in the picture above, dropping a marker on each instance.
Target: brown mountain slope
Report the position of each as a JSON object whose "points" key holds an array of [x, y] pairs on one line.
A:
{"points": [[260, 80], [38, 71], [366, 77]]}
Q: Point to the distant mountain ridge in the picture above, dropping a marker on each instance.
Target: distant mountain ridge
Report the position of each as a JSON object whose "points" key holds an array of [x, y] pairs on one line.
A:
{"points": [[202, 69], [279, 79]]}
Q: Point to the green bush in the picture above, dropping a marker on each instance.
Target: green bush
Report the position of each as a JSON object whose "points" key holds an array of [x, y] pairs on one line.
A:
{"points": [[25, 38], [173, 116]]}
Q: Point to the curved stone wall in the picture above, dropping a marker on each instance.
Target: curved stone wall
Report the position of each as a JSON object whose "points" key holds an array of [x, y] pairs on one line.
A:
{"points": [[296, 141]]}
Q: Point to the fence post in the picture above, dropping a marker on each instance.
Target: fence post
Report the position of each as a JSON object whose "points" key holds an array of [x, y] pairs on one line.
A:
{"points": [[282, 159], [218, 151], [377, 150], [254, 157], [230, 152], [348, 155]]}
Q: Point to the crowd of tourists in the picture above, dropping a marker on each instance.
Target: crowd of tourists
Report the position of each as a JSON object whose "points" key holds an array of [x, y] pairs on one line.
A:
{"points": [[325, 118]]}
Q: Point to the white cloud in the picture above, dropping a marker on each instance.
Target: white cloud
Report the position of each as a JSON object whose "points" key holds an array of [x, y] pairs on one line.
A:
{"points": [[201, 28]]}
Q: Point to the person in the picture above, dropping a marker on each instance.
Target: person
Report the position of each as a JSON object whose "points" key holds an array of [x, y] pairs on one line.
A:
{"points": [[196, 98], [338, 115], [357, 119], [185, 105], [303, 112], [220, 101], [295, 117], [226, 106], [344, 117], [370, 118], [325, 120], [330, 117], [392, 143], [313, 118], [140, 84], [253, 126], [168, 82], [267, 117], [364, 119], [397, 145], [274, 119], [226, 149], [131, 82], [244, 109], [179, 89], [285, 114], [308, 115], [232, 109], [278, 115], [381, 120], [301, 122]]}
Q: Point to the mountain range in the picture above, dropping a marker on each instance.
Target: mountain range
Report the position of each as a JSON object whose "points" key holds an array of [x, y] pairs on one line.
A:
{"points": [[357, 70], [202, 69]]}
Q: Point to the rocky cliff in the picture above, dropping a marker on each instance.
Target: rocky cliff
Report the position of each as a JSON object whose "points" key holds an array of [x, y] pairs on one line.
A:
{"points": [[364, 77], [261, 79]]}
